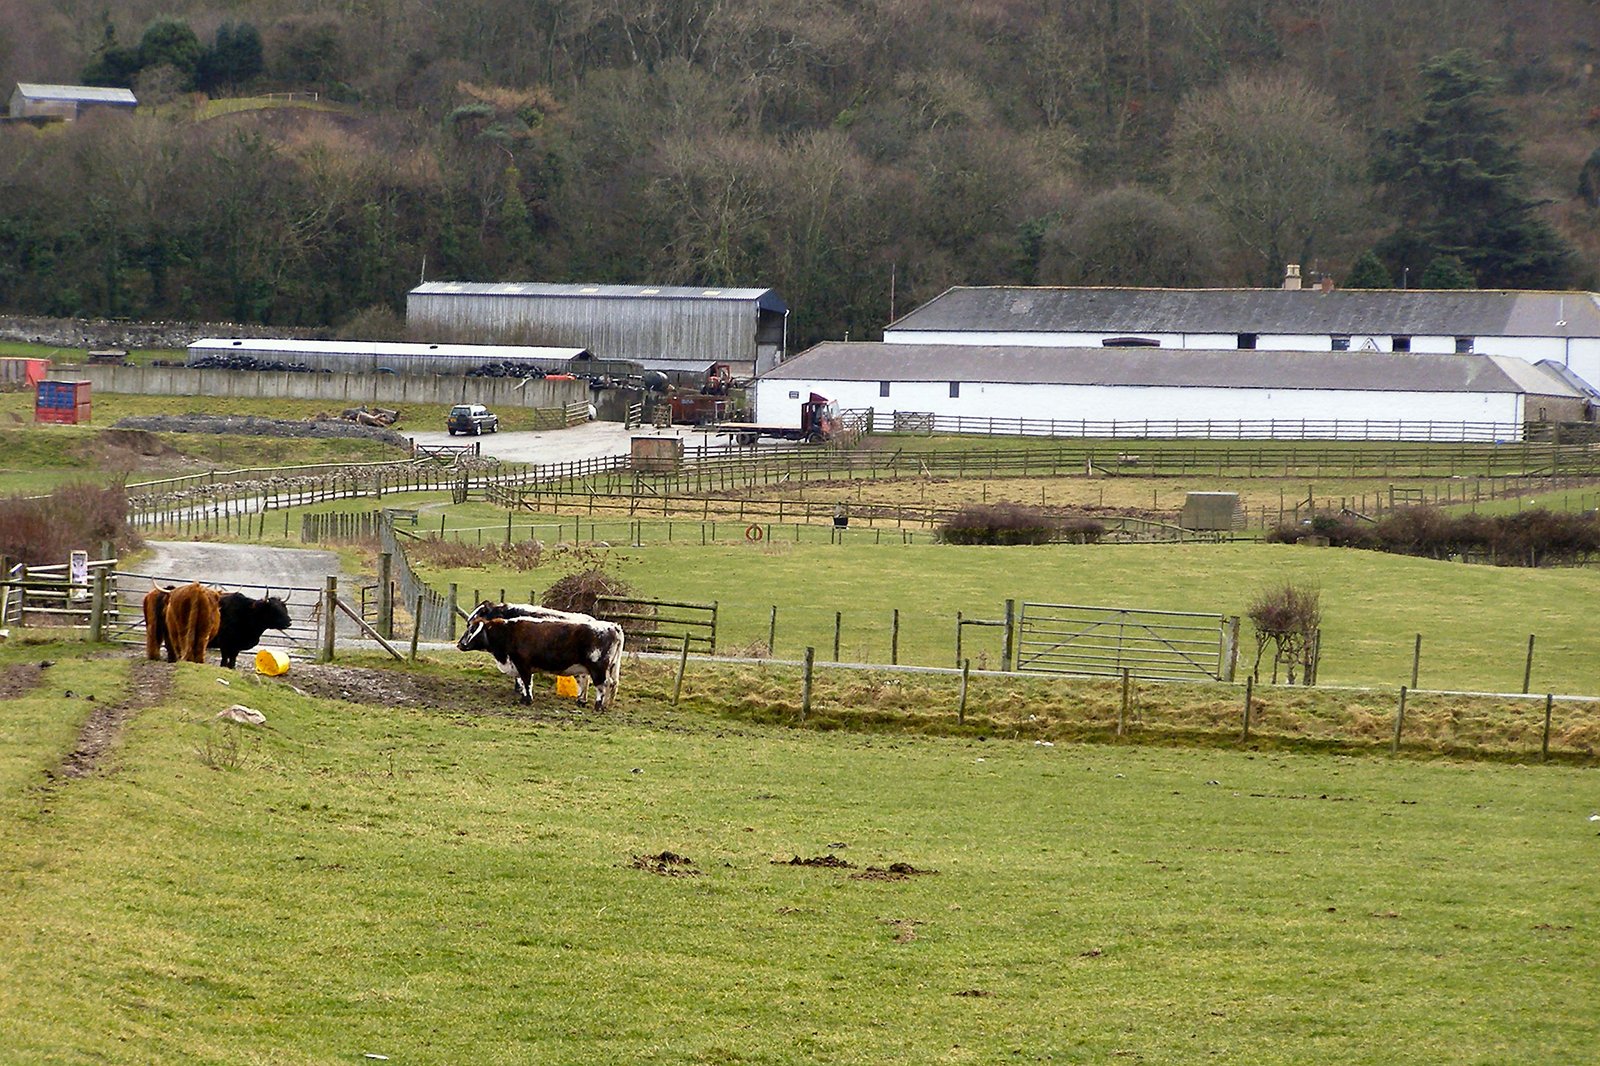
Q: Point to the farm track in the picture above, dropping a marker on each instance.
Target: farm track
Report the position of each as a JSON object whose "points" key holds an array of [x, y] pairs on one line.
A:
{"points": [[149, 684]]}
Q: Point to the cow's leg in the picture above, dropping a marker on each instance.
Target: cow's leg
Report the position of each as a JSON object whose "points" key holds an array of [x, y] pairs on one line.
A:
{"points": [[525, 686]]}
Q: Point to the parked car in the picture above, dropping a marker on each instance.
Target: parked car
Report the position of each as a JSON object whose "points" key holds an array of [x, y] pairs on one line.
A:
{"points": [[471, 418]]}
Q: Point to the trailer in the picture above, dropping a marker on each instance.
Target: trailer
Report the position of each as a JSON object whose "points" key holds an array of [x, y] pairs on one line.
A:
{"points": [[819, 421]]}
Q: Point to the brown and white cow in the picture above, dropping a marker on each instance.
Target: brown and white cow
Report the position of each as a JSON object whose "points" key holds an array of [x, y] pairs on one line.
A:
{"points": [[561, 643], [193, 615]]}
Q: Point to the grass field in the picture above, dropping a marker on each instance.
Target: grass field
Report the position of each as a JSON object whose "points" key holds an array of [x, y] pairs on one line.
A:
{"points": [[463, 880]]}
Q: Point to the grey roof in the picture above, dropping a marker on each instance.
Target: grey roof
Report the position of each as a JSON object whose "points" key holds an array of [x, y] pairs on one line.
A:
{"points": [[1406, 312], [1193, 367], [765, 298], [82, 94]]}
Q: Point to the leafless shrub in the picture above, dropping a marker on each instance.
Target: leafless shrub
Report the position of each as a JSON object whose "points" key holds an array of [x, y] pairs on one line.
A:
{"points": [[46, 529], [1288, 617]]}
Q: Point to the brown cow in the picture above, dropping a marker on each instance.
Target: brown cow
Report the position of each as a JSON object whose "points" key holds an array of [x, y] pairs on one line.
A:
{"points": [[155, 623], [193, 616]]}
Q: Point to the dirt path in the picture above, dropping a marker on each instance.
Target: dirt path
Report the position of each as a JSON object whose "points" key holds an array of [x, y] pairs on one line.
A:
{"points": [[149, 684]]}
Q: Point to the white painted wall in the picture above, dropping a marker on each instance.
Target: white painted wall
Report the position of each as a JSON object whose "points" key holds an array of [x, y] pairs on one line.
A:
{"points": [[1101, 403]]}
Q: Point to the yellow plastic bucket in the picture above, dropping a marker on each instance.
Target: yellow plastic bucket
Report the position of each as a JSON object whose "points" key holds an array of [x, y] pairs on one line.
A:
{"points": [[567, 685], [272, 662]]}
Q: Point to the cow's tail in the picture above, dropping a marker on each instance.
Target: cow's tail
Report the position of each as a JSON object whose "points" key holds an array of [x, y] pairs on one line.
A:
{"points": [[608, 688]]}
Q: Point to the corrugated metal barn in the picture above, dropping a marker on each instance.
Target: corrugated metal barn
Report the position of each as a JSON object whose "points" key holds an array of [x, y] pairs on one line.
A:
{"points": [[381, 357], [1563, 327], [745, 328], [66, 102], [1221, 393]]}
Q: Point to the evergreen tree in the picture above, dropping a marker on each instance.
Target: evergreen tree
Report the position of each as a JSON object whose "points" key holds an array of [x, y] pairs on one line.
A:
{"points": [[1446, 272], [1458, 182], [171, 42], [234, 58], [1368, 272]]}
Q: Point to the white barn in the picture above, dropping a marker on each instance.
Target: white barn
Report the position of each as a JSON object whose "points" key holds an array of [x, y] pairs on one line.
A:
{"points": [[66, 102], [1561, 327], [1079, 391]]}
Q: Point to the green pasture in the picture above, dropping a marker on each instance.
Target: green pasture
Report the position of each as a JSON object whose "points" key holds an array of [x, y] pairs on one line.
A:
{"points": [[1474, 620], [460, 879]]}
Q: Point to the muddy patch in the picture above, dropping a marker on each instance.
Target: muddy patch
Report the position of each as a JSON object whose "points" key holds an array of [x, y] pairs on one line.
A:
{"points": [[148, 684], [826, 862], [19, 679], [895, 871], [396, 688], [665, 864]]}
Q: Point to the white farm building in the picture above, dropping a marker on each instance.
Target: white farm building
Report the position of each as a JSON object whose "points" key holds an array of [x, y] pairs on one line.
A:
{"points": [[745, 328], [1158, 392], [1559, 327]]}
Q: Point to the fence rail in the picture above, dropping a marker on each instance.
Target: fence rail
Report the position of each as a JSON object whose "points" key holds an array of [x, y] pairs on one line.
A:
{"points": [[1159, 645]]}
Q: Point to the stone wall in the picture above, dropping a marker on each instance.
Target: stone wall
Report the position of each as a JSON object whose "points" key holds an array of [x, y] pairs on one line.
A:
{"points": [[92, 333]]}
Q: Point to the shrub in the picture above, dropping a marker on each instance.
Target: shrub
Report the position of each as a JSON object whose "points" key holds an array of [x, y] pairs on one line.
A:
{"points": [[1288, 617], [999, 523], [581, 592], [43, 530]]}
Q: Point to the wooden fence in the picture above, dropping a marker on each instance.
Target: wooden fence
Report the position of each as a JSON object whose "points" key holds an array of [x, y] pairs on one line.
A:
{"points": [[662, 625]]}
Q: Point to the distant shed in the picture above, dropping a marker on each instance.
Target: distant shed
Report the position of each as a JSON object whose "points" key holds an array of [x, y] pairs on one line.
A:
{"points": [[382, 357], [66, 102], [745, 328]]}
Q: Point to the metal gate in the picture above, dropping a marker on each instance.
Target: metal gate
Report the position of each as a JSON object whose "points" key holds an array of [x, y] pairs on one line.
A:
{"points": [[1059, 638]]}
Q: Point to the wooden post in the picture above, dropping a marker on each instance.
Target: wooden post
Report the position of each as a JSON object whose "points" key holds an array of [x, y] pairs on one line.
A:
{"points": [[450, 615], [683, 664], [1399, 722], [838, 623], [97, 612], [958, 638], [1527, 670], [330, 592], [1416, 660], [416, 625], [508, 529], [805, 685], [1544, 745], [772, 632], [1007, 655], [386, 594], [1122, 712], [961, 711], [894, 639], [1249, 695]]}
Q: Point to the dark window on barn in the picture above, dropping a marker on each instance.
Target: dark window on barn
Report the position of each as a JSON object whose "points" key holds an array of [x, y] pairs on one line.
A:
{"points": [[1463, 345], [1401, 344], [883, 388], [1341, 342], [1129, 342], [955, 389], [1247, 340]]}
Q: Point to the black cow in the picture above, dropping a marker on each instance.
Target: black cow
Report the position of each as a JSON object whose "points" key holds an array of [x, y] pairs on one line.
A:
{"points": [[561, 643], [244, 620]]}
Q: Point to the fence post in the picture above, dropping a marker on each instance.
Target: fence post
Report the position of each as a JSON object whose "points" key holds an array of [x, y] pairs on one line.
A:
{"points": [[1399, 722], [1230, 648], [894, 639], [385, 595], [838, 622], [683, 664], [1007, 655], [958, 638], [1527, 670], [416, 626], [961, 711], [772, 632], [330, 592], [1122, 712], [1416, 660], [1544, 745], [450, 615], [97, 610], [805, 685], [1249, 695]]}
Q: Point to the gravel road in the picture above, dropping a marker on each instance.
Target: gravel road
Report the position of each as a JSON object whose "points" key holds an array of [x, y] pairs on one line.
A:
{"points": [[590, 440]]}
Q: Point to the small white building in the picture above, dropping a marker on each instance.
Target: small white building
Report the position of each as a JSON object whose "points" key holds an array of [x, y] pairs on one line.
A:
{"points": [[66, 102], [1162, 392], [1561, 327]]}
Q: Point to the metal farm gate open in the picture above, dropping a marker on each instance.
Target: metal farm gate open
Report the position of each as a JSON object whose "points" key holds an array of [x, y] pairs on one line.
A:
{"points": [[1059, 638]]}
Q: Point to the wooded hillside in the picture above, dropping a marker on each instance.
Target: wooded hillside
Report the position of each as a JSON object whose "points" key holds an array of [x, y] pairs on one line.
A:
{"points": [[859, 157]]}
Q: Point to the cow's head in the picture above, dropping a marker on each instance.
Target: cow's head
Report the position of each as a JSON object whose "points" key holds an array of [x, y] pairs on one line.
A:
{"points": [[476, 638], [273, 613]]}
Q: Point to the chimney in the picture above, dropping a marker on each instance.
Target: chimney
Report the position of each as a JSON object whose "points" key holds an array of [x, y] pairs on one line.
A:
{"points": [[1291, 277], [1327, 283]]}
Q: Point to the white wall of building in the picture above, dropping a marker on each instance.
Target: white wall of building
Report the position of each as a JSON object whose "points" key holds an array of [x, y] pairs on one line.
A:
{"points": [[1102, 403]]}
